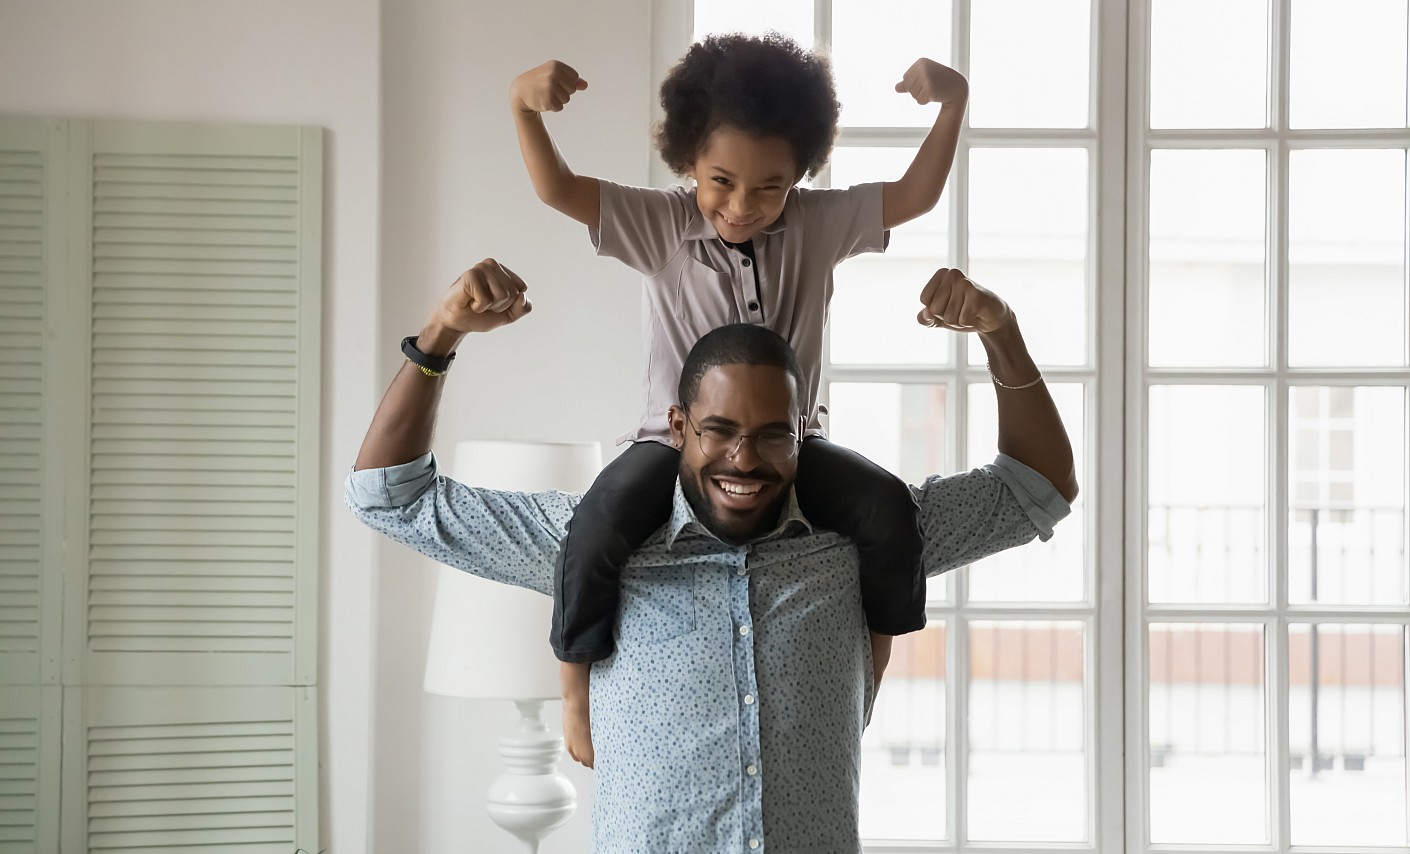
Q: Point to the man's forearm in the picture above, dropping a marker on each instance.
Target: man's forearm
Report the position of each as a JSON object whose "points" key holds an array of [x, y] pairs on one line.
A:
{"points": [[1030, 429], [405, 421]]}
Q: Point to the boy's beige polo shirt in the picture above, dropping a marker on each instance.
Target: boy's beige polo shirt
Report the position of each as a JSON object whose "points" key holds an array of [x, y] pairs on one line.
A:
{"points": [[695, 283]]}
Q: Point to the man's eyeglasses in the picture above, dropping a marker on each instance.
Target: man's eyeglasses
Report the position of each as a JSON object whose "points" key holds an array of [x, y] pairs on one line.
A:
{"points": [[773, 445]]}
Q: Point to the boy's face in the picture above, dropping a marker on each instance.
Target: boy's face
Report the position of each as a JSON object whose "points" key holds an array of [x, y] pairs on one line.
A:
{"points": [[742, 181]]}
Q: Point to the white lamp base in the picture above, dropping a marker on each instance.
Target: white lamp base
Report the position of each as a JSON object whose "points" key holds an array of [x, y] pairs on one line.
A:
{"points": [[531, 799]]}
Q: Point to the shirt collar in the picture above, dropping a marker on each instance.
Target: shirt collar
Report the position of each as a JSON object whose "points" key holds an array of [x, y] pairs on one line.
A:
{"points": [[684, 523], [700, 228]]}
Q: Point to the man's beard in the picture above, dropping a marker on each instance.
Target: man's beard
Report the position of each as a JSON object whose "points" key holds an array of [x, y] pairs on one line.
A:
{"points": [[734, 534]]}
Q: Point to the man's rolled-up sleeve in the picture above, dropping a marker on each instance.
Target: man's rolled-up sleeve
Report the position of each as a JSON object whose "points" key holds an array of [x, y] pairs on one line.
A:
{"points": [[510, 537], [965, 517]]}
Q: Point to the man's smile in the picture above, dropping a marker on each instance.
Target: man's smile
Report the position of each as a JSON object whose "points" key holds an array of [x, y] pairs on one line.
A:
{"points": [[740, 494]]}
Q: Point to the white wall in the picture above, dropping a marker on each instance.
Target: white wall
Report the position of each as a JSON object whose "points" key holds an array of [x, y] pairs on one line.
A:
{"points": [[455, 191], [315, 62], [423, 178]]}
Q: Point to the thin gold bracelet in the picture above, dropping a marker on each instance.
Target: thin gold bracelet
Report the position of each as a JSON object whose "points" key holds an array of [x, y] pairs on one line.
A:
{"points": [[1002, 384]]}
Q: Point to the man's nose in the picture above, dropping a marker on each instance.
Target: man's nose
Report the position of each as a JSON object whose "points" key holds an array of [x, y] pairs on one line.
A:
{"points": [[745, 455]]}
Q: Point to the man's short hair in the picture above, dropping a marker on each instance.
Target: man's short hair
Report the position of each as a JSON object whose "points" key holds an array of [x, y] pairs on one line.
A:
{"points": [[737, 344]]}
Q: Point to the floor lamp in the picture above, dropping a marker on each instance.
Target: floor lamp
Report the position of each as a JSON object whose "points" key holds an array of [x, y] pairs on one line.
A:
{"points": [[489, 641]]}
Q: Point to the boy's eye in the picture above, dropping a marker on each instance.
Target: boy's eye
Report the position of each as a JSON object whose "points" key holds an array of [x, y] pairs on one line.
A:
{"points": [[724, 182]]}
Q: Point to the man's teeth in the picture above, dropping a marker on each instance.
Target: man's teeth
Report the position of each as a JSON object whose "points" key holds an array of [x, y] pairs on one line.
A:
{"points": [[740, 488]]}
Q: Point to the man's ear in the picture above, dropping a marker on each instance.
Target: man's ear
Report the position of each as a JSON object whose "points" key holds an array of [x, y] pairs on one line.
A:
{"points": [[676, 417]]}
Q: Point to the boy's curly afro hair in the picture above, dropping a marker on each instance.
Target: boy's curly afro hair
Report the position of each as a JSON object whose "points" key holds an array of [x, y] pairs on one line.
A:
{"points": [[763, 86]]}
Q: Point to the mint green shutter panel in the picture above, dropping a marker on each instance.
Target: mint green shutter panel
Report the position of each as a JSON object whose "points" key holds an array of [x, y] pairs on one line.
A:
{"points": [[204, 403], [210, 770], [31, 582]]}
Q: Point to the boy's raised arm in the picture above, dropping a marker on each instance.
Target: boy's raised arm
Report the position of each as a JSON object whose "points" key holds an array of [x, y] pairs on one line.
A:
{"points": [[547, 88], [917, 191]]}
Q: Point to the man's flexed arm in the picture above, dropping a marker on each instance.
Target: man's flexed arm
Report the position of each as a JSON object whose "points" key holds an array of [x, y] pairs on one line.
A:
{"points": [[1030, 429], [547, 88], [485, 297]]}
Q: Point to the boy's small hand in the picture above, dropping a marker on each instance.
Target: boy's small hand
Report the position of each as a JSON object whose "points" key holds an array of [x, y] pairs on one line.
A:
{"points": [[929, 82], [545, 89]]}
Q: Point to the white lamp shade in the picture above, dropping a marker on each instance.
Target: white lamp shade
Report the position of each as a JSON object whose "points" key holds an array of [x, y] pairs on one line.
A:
{"points": [[489, 640]]}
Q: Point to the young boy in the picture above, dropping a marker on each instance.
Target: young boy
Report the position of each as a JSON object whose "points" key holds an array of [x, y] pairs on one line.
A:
{"points": [[746, 119]]}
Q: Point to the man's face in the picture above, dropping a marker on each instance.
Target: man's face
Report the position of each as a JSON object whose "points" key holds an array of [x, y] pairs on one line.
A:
{"points": [[742, 181], [739, 497]]}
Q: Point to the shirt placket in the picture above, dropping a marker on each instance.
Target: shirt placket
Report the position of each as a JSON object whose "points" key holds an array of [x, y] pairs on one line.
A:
{"points": [[747, 690], [748, 284]]}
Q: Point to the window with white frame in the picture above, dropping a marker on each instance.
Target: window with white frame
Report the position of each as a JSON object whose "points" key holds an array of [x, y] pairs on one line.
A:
{"points": [[1198, 210], [1266, 237]]}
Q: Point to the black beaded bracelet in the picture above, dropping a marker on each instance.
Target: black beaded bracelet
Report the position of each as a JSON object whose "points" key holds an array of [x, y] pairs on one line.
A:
{"points": [[431, 366]]}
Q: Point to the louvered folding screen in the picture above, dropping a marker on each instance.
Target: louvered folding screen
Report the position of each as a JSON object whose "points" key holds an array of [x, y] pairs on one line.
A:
{"points": [[203, 406], [185, 339], [32, 259]]}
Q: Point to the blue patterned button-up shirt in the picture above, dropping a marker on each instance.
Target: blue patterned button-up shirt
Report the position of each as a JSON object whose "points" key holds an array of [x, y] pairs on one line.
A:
{"points": [[730, 717]]}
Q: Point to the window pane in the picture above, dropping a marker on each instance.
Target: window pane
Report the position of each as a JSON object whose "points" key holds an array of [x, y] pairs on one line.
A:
{"points": [[877, 296], [1209, 64], [1348, 64], [1346, 526], [1207, 213], [903, 749], [1038, 572], [793, 18], [1029, 63], [1346, 737], [870, 52], [1346, 248], [1028, 243], [1207, 744], [1027, 732], [900, 427], [1207, 494]]}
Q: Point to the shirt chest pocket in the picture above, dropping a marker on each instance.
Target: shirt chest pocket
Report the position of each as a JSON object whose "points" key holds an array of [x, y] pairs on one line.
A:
{"points": [[705, 296], [658, 605]]}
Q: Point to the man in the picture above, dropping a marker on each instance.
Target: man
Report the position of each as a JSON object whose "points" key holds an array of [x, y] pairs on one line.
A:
{"points": [[730, 717]]}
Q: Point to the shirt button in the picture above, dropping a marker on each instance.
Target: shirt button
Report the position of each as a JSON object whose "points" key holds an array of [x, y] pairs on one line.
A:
{"points": [[748, 699], [753, 843], [744, 630], [741, 571], [744, 261], [753, 306], [751, 770]]}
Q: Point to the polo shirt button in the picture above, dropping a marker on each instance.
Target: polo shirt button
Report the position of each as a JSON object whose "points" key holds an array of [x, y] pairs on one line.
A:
{"points": [[753, 843], [744, 261], [748, 699], [753, 306]]}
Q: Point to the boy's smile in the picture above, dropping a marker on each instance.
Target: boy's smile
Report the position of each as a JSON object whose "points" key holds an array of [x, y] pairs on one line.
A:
{"points": [[742, 182]]}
